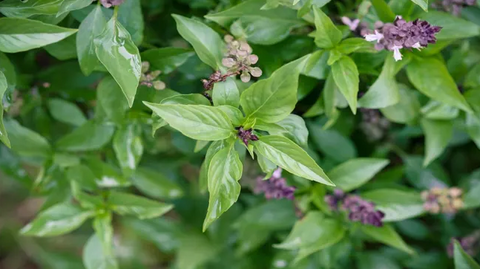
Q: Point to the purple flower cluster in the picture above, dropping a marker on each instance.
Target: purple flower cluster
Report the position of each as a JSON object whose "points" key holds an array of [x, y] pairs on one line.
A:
{"points": [[358, 209], [246, 135], [275, 187], [402, 34], [110, 3], [470, 244]]}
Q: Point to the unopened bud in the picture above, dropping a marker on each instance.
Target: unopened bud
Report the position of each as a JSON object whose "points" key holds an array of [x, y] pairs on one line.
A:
{"points": [[145, 67], [253, 59], [155, 74], [256, 72], [158, 85], [228, 38], [245, 77], [228, 62]]}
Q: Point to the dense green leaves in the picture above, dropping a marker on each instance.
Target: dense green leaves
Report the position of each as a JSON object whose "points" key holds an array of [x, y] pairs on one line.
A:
{"points": [[273, 99], [26, 142], [57, 220], [286, 154], [90, 136], [345, 74], [66, 112], [207, 43], [196, 121], [354, 173], [224, 171], [143, 208], [327, 35], [23, 34], [155, 184], [117, 52], [431, 77]]}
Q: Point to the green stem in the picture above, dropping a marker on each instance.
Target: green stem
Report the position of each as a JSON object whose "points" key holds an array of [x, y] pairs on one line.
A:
{"points": [[115, 12]]}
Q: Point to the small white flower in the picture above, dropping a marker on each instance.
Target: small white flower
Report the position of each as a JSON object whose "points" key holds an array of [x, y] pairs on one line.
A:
{"points": [[374, 37], [351, 24], [417, 46], [396, 53]]}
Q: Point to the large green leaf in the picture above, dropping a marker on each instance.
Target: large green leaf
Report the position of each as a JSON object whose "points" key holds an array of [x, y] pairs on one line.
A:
{"points": [[195, 121], [66, 112], [313, 233], [131, 17], [3, 89], [406, 111], [431, 77], [386, 235], [24, 9], [166, 59], [70, 5], [422, 3], [94, 257], [345, 74], [452, 27], [117, 52], [57, 220], [128, 147], [327, 35], [143, 208], [292, 127], [215, 147], [155, 184], [472, 124], [384, 12], [289, 156], [224, 171], [90, 136], [356, 172], [437, 135], [258, 26], [273, 99], [106, 175], [111, 100], [462, 259], [226, 93], [207, 43], [333, 144], [470, 198], [89, 28], [18, 35], [26, 142], [396, 204], [102, 224]]}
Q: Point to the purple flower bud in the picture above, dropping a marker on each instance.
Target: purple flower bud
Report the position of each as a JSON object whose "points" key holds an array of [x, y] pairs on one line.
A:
{"points": [[110, 3], [246, 135], [274, 188]]}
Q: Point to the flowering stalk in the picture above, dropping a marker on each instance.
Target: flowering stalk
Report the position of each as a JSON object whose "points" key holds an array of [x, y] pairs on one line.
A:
{"points": [[401, 34], [442, 200], [149, 78], [275, 187], [358, 209]]}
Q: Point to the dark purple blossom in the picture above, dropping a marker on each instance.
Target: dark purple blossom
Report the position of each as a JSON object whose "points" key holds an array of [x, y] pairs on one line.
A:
{"points": [[470, 244], [402, 34], [333, 200], [275, 187], [246, 135], [110, 3]]}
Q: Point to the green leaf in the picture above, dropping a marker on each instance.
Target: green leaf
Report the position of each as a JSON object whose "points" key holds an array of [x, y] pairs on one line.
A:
{"points": [[462, 259], [155, 184], [90, 136], [355, 44], [345, 74], [102, 224], [70, 5], [438, 111], [422, 3], [65, 49], [106, 175], [273, 99], [166, 59], [26, 142], [384, 92], [396, 204], [258, 26], [128, 147], [212, 150], [385, 13], [293, 127], [313, 233], [142, 208], [316, 65], [57, 220], [437, 135], [89, 28], [470, 199], [226, 93], [472, 124], [289, 156], [473, 77], [207, 43], [94, 256], [386, 235], [24, 9], [356, 172], [18, 35], [327, 35], [431, 77], [131, 17], [111, 100], [66, 112], [333, 144], [224, 171], [162, 232], [82, 175], [195, 121], [406, 111], [452, 27], [117, 52], [3, 89]]}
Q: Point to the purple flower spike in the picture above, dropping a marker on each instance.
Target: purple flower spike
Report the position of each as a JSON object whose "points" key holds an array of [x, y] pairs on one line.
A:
{"points": [[275, 187], [246, 135]]}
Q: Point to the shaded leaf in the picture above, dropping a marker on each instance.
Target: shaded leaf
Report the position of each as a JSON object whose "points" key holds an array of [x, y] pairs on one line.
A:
{"points": [[356, 172], [143, 208]]}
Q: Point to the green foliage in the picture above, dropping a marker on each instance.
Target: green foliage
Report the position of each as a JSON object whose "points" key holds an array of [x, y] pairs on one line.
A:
{"points": [[243, 134]]}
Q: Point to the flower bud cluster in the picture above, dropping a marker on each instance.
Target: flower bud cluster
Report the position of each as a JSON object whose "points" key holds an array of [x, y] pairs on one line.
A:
{"points": [[239, 59], [110, 3], [358, 209], [149, 78], [442, 200], [246, 135], [402, 34], [275, 187]]}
